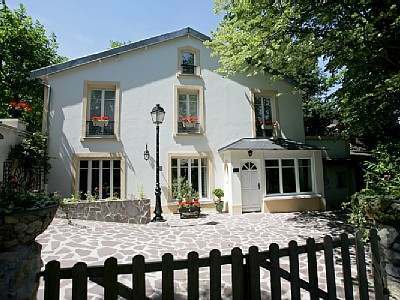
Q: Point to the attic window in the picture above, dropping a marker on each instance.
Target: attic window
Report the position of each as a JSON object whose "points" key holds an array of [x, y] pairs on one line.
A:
{"points": [[188, 66], [188, 61]]}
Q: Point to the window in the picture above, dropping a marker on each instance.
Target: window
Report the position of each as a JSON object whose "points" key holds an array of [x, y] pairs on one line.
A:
{"points": [[100, 178], [263, 116], [101, 112], [195, 170], [288, 176], [305, 180], [187, 65], [272, 176], [188, 112]]}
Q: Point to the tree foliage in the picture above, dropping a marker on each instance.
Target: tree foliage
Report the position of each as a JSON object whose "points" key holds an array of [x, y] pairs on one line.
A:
{"points": [[353, 45], [24, 46], [116, 44]]}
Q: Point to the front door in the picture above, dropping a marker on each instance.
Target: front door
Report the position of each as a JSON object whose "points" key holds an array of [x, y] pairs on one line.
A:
{"points": [[251, 189]]}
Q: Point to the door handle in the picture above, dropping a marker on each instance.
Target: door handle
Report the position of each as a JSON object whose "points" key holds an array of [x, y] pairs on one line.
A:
{"points": [[258, 184]]}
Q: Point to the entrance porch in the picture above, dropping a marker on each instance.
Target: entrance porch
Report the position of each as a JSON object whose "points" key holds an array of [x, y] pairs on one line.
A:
{"points": [[272, 175]]}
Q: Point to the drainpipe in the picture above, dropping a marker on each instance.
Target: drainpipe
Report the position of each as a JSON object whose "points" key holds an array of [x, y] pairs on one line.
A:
{"points": [[45, 119]]}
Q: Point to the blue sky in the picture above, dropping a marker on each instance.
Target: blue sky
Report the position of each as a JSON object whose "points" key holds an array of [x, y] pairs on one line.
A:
{"points": [[86, 26]]}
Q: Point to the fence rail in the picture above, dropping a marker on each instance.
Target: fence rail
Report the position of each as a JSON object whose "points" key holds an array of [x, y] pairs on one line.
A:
{"points": [[245, 272]]}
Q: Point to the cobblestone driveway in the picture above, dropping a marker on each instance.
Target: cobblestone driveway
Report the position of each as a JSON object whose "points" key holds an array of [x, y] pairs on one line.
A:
{"points": [[92, 242]]}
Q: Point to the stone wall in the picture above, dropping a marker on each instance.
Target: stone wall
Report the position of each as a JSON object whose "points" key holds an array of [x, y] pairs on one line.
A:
{"points": [[19, 270], [390, 248], [123, 211]]}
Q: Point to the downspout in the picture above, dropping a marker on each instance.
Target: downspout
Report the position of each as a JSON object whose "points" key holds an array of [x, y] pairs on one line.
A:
{"points": [[45, 121]]}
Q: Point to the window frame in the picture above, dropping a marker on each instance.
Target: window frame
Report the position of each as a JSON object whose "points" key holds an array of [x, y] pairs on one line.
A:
{"points": [[297, 176], [272, 94], [200, 108], [78, 157], [191, 155], [197, 67], [89, 86]]}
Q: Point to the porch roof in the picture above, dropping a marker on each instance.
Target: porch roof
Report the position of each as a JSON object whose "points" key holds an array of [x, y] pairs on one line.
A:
{"points": [[266, 144]]}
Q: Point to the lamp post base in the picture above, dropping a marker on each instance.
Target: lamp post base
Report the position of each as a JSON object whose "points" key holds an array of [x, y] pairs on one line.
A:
{"points": [[158, 219]]}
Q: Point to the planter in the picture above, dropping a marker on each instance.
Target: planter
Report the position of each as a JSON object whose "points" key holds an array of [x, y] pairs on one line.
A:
{"points": [[122, 211], [189, 212], [100, 123], [219, 206], [189, 124], [22, 228]]}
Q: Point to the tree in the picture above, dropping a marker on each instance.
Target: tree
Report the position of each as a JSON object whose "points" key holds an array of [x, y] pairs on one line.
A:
{"points": [[24, 46], [357, 41]]}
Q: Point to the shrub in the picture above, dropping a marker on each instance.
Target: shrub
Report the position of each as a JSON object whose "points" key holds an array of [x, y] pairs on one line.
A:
{"points": [[379, 202], [219, 193]]}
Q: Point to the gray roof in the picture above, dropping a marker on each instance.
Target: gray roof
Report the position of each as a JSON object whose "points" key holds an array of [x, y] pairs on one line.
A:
{"points": [[116, 51], [266, 144]]}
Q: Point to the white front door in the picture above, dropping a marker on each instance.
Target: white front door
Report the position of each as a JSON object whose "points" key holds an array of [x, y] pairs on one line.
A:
{"points": [[251, 185]]}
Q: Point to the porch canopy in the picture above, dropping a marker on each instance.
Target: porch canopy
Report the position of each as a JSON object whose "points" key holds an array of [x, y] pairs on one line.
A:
{"points": [[266, 144]]}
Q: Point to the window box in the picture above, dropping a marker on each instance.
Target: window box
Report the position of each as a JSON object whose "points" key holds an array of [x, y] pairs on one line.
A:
{"points": [[189, 210]]}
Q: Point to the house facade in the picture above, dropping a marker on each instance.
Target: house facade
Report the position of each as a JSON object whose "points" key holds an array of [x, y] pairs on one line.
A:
{"points": [[243, 134]]}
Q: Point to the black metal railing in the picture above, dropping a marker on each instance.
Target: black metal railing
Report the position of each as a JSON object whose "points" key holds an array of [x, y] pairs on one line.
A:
{"points": [[21, 176], [99, 130], [189, 128], [188, 69]]}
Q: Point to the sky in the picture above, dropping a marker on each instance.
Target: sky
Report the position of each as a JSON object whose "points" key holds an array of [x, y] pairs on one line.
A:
{"points": [[84, 27]]}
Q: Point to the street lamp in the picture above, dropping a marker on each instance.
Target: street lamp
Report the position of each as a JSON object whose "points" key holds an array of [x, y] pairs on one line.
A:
{"points": [[158, 114]]}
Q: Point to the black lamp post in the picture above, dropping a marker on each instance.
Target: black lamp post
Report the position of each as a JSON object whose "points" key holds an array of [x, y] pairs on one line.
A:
{"points": [[157, 114]]}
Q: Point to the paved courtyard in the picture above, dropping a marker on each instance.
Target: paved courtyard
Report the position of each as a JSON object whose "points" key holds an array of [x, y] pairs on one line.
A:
{"points": [[93, 242]]}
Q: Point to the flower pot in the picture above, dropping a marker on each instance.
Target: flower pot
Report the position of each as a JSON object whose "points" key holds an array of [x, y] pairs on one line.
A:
{"points": [[15, 113], [100, 123], [219, 206], [188, 212], [188, 124], [22, 227]]}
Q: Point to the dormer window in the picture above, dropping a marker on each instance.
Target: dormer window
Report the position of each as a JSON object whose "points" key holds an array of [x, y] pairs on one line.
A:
{"points": [[188, 61], [187, 65]]}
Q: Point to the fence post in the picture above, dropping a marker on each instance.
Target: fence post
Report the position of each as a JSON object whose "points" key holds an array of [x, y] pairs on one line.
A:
{"points": [[294, 270], [52, 280], [237, 274], [110, 277], [193, 275], [215, 274], [346, 266], [167, 265], [79, 281], [361, 267], [138, 278], [312, 268], [376, 265], [329, 267], [254, 273], [275, 272]]}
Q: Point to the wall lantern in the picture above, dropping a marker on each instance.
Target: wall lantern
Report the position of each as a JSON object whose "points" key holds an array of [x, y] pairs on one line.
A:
{"points": [[250, 153], [146, 154]]}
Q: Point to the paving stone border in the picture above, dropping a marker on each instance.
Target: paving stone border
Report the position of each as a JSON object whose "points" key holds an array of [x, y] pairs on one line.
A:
{"points": [[122, 211]]}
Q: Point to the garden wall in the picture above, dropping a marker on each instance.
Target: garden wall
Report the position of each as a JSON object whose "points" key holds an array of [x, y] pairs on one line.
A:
{"points": [[123, 211]]}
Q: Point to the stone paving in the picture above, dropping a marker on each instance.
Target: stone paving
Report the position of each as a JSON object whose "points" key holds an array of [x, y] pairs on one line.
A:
{"points": [[93, 242]]}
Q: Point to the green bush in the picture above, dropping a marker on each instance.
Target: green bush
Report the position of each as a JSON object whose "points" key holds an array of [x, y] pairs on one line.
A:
{"points": [[219, 193], [379, 202]]}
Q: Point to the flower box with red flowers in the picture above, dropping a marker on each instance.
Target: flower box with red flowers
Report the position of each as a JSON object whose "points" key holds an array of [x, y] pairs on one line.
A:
{"points": [[100, 120], [189, 121], [16, 107], [189, 209]]}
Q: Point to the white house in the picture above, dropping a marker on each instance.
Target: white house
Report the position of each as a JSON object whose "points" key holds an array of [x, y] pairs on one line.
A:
{"points": [[243, 134]]}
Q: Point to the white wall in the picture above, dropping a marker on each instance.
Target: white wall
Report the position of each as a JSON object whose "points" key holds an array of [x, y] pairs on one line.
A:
{"points": [[147, 77]]}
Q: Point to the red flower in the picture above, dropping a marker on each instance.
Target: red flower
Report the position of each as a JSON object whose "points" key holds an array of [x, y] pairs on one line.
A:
{"points": [[20, 105], [188, 119]]}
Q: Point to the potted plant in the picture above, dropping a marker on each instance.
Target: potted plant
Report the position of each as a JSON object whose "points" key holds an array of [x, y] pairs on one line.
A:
{"points": [[219, 204], [100, 120], [16, 107], [189, 121], [187, 199]]}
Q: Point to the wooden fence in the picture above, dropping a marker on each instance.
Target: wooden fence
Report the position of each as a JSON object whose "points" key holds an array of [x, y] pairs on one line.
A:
{"points": [[245, 272]]}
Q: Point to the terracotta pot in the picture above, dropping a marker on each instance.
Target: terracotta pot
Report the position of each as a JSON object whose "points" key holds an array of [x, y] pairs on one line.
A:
{"points": [[23, 227]]}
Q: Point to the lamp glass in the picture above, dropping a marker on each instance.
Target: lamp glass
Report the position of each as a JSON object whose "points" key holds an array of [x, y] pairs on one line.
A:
{"points": [[157, 114]]}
